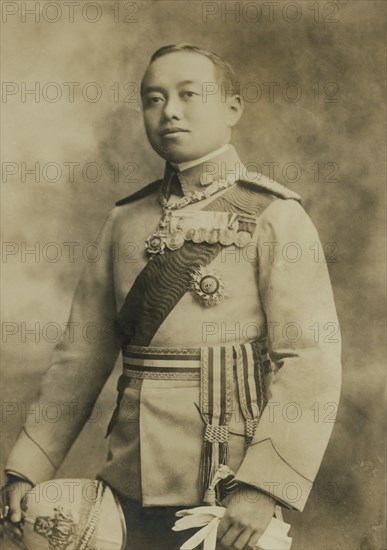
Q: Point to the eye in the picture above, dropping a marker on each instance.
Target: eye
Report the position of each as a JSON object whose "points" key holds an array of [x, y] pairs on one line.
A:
{"points": [[153, 100], [189, 94]]}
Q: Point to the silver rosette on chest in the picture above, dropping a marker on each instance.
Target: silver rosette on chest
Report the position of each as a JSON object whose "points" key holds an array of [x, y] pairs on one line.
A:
{"points": [[208, 287], [155, 243]]}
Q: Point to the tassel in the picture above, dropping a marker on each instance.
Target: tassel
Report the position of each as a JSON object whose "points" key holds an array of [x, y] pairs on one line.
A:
{"points": [[205, 469], [215, 453], [224, 457], [222, 484]]}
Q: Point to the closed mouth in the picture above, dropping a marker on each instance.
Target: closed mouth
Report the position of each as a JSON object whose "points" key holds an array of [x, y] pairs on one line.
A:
{"points": [[172, 131]]}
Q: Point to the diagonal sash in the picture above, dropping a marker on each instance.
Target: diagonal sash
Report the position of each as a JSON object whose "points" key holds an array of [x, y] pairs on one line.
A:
{"points": [[158, 288]]}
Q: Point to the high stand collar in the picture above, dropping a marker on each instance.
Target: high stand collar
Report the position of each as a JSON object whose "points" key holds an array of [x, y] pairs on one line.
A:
{"points": [[225, 165]]}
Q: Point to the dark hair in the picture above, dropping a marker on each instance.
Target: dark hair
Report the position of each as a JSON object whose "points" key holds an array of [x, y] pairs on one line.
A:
{"points": [[224, 72]]}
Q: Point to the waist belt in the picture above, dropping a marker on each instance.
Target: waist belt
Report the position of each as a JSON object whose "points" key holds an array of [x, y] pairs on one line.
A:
{"points": [[161, 363], [213, 366]]}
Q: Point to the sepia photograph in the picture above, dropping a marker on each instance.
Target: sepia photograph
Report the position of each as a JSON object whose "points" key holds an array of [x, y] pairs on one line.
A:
{"points": [[193, 222]]}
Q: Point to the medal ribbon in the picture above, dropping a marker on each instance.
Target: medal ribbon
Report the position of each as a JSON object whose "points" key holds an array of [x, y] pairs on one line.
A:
{"points": [[251, 366]]}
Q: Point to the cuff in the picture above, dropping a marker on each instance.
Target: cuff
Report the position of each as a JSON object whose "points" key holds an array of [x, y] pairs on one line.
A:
{"points": [[13, 477], [266, 470], [29, 460]]}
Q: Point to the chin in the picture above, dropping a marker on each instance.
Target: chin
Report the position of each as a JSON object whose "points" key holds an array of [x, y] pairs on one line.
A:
{"points": [[172, 154], [176, 155]]}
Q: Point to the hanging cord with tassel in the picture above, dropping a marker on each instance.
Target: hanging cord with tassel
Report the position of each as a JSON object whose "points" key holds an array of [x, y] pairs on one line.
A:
{"points": [[216, 386]]}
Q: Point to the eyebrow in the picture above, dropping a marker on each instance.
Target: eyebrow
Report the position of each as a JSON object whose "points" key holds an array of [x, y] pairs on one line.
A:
{"points": [[184, 82], [150, 89]]}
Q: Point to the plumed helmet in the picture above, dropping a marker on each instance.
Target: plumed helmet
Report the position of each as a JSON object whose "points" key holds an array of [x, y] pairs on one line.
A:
{"points": [[72, 514]]}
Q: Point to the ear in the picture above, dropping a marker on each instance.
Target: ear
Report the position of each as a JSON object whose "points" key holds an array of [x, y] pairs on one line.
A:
{"points": [[235, 109]]}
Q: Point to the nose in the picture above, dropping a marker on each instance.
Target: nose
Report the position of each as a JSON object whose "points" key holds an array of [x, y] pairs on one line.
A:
{"points": [[172, 108]]}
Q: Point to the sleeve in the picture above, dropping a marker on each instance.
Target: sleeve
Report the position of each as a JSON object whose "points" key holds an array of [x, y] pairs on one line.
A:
{"points": [[80, 366], [304, 345]]}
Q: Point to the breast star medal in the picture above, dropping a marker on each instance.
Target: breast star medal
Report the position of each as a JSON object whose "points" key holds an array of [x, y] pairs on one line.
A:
{"points": [[208, 287]]}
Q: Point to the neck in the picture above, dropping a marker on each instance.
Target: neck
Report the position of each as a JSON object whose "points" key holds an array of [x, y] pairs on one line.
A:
{"points": [[195, 175]]}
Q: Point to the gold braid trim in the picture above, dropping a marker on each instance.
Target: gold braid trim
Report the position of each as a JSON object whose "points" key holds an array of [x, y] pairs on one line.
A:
{"points": [[216, 434], [194, 375], [229, 382], [204, 384], [145, 350], [90, 531]]}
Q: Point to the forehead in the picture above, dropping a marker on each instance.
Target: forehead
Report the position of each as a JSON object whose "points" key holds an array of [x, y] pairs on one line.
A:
{"points": [[176, 67]]}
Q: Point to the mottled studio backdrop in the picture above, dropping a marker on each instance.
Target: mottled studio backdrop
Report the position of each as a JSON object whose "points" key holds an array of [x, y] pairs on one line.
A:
{"points": [[312, 77]]}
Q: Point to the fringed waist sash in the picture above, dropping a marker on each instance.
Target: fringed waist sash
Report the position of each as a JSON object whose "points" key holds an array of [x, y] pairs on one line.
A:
{"points": [[213, 367]]}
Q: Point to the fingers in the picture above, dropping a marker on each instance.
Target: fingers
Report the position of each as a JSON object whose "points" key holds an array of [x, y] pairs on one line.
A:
{"points": [[243, 540], [13, 532], [6, 527], [239, 538], [233, 534], [4, 510], [14, 497], [224, 526], [15, 494], [253, 542], [3, 496], [236, 539], [11, 511], [230, 537]]}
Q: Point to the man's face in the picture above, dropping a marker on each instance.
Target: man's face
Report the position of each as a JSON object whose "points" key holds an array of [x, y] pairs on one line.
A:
{"points": [[182, 121]]}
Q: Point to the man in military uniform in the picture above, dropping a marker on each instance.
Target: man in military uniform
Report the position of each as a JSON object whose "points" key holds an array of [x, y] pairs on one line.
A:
{"points": [[221, 365]]}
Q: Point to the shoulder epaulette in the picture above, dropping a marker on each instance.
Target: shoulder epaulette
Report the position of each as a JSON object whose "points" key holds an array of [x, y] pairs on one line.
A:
{"points": [[143, 192], [263, 183]]}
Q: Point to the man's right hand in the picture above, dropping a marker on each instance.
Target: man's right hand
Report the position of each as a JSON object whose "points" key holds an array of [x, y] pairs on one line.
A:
{"points": [[12, 495]]}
